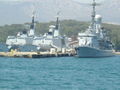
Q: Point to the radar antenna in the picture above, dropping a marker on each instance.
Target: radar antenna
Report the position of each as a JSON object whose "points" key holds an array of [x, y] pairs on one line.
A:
{"points": [[94, 4]]}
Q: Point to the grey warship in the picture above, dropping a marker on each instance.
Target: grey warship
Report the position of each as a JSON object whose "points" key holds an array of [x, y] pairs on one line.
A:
{"points": [[23, 40], [51, 39], [94, 42]]}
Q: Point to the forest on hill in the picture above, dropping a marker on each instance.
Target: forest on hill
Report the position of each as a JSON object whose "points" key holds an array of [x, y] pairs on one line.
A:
{"points": [[68, 27]]}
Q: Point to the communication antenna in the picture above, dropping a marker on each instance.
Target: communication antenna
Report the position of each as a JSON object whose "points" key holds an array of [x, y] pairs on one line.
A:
{"points": [[94, 4], [57, 21], [32, 26]]}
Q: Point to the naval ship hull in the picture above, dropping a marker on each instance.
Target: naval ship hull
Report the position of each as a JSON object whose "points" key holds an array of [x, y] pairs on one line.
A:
{"points": [[57, 43], [23, 48], [89, 52]]}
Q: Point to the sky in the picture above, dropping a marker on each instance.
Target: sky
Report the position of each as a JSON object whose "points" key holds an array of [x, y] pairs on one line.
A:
{"points": [[15, 12], [38, 0], [89, 0]]}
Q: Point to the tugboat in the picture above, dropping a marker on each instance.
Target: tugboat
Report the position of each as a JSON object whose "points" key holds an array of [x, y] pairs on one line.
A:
{"points": [[52, 39], [22, 39], [94, 42]]}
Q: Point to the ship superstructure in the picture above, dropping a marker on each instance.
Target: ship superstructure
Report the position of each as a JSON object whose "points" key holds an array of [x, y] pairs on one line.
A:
{"points": [[22, 38], [52, 39], [94, 42]]}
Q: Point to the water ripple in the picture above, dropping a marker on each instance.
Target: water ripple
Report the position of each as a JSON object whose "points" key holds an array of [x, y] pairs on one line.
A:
{"points": [[69, 73]]}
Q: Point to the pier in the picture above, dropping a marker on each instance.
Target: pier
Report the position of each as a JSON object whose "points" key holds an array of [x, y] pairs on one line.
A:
{"points": [[117, 53], [46, 54], [16, 54]]}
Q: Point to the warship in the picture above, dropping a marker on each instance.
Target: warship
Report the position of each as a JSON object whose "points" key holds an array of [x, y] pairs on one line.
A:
{"points": [[52, 39], [3, 47], [94, 42], [22, 39]]}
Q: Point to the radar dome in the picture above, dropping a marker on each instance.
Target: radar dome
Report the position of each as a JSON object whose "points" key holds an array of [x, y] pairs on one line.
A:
{"points": [[98, 16], [98, 19]]}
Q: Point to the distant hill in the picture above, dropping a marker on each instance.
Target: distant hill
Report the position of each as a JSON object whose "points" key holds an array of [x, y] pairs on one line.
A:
{"points": [[68, 27]]}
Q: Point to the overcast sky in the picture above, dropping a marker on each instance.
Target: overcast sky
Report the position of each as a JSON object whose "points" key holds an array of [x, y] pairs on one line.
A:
{"points": [[88, 0], [14, 11], [56, 0]]}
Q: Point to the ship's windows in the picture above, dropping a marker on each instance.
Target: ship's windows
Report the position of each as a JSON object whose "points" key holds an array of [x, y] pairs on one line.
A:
{"points": [[49, 33]]}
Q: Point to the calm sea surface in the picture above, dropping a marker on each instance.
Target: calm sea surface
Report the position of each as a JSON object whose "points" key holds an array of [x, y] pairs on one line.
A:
{"points": [[69, 73]]}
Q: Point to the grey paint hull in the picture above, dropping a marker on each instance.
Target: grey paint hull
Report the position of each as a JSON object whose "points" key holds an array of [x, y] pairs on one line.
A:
{"points": [[44, 47], [24, 48], [88, 52], [56, 43]]}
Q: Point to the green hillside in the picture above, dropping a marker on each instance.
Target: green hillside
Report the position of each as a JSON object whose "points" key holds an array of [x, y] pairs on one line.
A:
{"points": [[68, 27]]}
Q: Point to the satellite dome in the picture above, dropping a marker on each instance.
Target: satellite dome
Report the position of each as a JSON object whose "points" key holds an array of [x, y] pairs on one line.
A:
{"points": [[51, 26], [98, 19]]}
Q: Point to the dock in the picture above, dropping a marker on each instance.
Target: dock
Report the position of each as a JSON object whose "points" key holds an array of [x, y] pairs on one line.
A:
{"points": [[17, 54], [117, 53]]}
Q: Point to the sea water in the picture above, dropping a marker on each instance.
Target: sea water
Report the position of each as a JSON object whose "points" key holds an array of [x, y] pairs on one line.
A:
{"points": [[66, 73]]}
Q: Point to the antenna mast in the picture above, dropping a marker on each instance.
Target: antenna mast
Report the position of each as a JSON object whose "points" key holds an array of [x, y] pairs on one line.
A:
{"points": [[57, 21], [33, 20], [94, 4]]}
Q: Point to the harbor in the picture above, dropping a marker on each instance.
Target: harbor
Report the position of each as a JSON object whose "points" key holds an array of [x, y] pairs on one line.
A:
{"points": [[59, 44], [27, 44], [93, 42]]}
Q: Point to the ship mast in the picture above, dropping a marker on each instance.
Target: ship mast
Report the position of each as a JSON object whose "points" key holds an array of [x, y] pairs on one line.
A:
{"points": [[57, 26], [32, 26], [94, 4], [57, 21], [93, 15]]}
